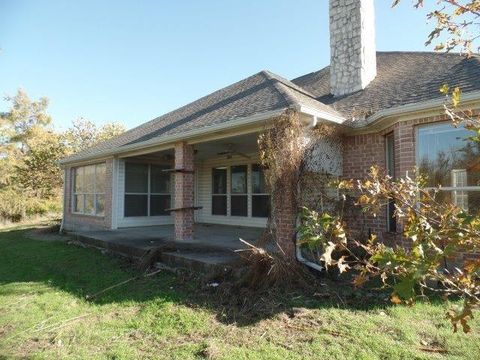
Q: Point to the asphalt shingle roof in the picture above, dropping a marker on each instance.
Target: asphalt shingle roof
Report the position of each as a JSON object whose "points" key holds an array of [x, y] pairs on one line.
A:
{"points": [[259, 93], [402, 78]]}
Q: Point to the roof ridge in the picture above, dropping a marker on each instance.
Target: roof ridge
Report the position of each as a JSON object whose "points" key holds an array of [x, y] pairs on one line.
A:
{"points": [[275, 77], [292, 99], [268, 76]]}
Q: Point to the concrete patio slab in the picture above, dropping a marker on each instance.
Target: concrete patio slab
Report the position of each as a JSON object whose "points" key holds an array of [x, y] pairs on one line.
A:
{"points": [[134, 242]]}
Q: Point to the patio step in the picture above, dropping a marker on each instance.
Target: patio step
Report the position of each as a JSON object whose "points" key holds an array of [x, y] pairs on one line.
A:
{"points": [[207, 263], [121, 248]]}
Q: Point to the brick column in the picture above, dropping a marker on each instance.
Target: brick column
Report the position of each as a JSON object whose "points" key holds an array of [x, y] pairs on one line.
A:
{"points": [[285, 215], [404, 133], [184, 191]]}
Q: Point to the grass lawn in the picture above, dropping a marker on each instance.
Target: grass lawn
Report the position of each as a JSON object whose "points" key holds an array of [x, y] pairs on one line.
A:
{"points": [[44, 314]]}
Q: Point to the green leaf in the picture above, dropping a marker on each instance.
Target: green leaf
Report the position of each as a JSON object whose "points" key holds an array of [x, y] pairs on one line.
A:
{"points": [[405, 288]]}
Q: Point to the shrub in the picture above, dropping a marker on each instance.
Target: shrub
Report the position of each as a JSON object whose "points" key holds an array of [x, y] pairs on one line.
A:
{"points": [[433, 231], [16, 206]]}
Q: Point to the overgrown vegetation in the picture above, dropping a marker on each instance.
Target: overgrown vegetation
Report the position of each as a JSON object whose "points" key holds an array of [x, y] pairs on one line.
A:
{"points": [[44, 314], [440, 248], [30, 147], [434, 230]]}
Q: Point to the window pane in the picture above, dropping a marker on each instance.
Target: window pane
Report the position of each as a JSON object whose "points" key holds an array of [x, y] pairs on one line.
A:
{"points": [[219, 205], [446, 156], [136, 178], [260, 205], [89, 179], [159, 180], [89, 205], [239, 179], [258, 180], [100, 203], [239, 205], [79, 187], [78, 203], [136, 205], [391, 218], [219, 181], [466, 200], [158, 204], [100, 178]]}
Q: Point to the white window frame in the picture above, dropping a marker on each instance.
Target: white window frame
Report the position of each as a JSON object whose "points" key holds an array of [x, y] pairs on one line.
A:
{"points": [[95, 194], [247, 193], [229, 193], [149, 192], [453, 189]]}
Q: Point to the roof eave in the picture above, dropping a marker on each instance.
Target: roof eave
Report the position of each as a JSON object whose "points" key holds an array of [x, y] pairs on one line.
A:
{"points": [[170, 140], [377, 120], [320, 114]]}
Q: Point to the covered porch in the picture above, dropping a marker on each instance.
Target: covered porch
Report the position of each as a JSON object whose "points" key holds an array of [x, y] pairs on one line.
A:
{"points": [[182, 192]]}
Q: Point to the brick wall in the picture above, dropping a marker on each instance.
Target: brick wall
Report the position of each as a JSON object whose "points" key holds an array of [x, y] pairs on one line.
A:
{"points": [[360, 152], [363, 151], [284, 217], [73, 222]]}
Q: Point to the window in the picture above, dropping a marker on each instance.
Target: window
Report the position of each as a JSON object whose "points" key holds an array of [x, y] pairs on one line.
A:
{"points": [[450, 160], [390, 165], [89, 190], [147, 190], [219, 191], [239, 192], [159, 191], [260, 197]]}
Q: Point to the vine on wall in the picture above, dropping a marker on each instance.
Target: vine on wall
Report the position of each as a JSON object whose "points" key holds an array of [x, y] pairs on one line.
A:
{"points": [[299, 163]]}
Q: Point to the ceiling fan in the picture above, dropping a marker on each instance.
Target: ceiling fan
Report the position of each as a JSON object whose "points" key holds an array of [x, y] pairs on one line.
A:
{"points": [[229, 151]]}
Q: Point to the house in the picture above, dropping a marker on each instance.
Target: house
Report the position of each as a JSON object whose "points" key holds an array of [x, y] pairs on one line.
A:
{"points": [[199, 164]]}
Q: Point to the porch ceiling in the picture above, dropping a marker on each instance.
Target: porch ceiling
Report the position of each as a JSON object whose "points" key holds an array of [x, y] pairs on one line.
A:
{"points": [[246, 144]]}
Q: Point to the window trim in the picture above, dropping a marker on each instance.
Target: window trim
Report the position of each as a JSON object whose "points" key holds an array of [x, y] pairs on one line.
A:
{"points": [[441, 188], [149, 192], [238, 195], [74, 194], [223, 195], [249, 194], [391, 221]]}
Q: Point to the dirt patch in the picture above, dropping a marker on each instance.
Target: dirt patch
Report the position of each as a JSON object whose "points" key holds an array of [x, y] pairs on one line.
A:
{"points": [[48, 231]]}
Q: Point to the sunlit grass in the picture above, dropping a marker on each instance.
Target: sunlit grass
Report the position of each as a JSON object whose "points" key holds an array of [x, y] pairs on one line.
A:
{"points": [[44, 314]]}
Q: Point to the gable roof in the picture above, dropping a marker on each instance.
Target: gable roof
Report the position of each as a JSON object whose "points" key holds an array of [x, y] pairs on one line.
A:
{"points": [[402, 78], [260, 93]]}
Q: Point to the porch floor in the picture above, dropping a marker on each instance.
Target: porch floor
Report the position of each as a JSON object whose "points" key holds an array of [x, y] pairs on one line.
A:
{"points": [[133, 242]]}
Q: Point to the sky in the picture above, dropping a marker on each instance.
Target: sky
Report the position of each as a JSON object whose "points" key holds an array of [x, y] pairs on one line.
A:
{"points": [[131, 61]]}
